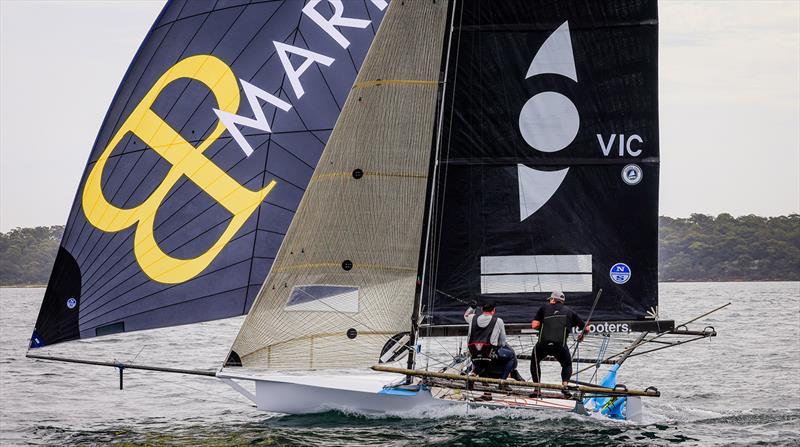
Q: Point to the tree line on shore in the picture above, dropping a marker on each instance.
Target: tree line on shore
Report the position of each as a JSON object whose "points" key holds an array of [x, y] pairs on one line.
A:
{"points": [[727, 248], [696, 248]]}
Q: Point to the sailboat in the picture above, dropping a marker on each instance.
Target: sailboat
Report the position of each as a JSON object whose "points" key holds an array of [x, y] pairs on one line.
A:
{"points": [[350, 175]]}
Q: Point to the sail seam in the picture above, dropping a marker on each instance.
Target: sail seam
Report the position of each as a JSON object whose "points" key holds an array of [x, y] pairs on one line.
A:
{"points": [[324, 335], [375, 174], [338, 265], [549, 26], [379, 82]]}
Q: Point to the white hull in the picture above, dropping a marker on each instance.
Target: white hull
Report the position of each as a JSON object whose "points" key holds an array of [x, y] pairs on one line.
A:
{"points": [[363, 394]]}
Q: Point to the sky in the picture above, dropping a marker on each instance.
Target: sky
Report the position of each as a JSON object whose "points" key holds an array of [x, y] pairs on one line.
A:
{"points": [[729, 84]]}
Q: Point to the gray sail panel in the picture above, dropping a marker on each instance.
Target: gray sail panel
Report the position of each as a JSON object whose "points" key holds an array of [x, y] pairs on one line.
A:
{"points": [[358, 228]]}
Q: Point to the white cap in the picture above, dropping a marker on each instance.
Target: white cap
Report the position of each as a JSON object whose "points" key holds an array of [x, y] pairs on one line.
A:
{"points": [[558, 296]]}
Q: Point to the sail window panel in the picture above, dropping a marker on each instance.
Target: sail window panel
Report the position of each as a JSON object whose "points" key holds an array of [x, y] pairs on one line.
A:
{"points": [[536, 264], [314, 352], [491, 284], [323, 298]]}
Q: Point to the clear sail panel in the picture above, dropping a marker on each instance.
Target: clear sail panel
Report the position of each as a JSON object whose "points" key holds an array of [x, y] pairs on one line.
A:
{"points": [[345, 278]]}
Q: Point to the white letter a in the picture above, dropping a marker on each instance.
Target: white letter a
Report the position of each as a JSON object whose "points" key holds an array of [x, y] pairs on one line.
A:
{"points": [[337, 19], [291, 73]]}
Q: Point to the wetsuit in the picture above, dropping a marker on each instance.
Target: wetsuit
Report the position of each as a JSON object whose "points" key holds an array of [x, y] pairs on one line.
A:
{"points": [[557, 320]]}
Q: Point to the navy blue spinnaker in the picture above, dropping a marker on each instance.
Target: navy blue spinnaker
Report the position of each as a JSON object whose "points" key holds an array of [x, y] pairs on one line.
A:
{"points": [[201, 162]]}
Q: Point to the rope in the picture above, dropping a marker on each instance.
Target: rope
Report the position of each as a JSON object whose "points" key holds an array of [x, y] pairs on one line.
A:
{"points": [[455, 298], [409, 348], [137, 354], [600, 354]]}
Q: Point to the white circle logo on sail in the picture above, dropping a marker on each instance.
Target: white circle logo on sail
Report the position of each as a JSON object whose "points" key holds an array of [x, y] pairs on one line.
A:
{"points": [[632, 174], [71, 303], [620, 273], [549, 122]]}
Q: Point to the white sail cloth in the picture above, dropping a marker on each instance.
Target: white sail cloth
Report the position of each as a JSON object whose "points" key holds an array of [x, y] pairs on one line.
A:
{"points": [[345, 277]]}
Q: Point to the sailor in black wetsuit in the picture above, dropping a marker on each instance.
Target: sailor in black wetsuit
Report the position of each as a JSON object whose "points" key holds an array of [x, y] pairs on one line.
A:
{"points": [[554, 321]]}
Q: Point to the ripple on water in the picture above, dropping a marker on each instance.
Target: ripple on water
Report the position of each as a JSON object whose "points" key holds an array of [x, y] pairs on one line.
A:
{"points": [[709, 389]]}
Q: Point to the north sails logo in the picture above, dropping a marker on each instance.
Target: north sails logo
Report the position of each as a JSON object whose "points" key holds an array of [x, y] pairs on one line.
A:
{"points": [[548, 122]]}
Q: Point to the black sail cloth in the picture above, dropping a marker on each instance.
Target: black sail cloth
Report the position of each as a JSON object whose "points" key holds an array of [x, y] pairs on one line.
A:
{"points": [[548, 166]]}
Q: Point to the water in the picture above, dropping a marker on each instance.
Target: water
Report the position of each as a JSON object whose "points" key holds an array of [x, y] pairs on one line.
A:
{"points": [[740, 388]]}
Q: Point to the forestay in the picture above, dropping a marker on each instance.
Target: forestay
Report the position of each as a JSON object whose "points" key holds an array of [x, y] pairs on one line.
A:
{"points": [[345, 279]]}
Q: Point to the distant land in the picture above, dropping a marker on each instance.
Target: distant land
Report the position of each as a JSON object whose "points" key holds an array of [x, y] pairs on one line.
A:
{"points": [[697, 248]]}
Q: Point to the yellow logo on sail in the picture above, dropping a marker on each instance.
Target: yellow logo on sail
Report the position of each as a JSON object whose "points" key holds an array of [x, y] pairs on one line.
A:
{"points": [[185, 159]]}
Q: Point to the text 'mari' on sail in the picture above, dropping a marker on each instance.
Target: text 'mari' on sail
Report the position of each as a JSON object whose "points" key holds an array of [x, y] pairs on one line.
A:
{"points": [[201, 162], [345, 279]]}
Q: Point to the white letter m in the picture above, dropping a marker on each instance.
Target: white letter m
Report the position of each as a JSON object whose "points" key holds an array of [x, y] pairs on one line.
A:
{"points": [[253, 94]]}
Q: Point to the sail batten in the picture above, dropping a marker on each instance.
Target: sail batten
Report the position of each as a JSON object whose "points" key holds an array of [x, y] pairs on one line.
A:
{"points": [[359, 225]]}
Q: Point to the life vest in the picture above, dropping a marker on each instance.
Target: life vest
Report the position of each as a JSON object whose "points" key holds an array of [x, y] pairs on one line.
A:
{"points": [[554, 331], [479, 343]]}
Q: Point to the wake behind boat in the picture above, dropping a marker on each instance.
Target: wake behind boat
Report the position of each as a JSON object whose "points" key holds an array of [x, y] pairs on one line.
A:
{"points": [[473, 151]]}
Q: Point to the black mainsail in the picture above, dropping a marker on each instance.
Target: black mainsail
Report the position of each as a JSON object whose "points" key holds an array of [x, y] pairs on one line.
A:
{"points": [[548, 169]]}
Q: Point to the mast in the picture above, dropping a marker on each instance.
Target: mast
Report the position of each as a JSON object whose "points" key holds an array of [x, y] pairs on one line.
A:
{"points": [[346, 276], [531, 195], [416, 315]]}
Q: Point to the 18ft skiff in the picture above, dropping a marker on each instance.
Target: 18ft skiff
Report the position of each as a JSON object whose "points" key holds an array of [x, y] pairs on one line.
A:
{"points": [[473, 150]]}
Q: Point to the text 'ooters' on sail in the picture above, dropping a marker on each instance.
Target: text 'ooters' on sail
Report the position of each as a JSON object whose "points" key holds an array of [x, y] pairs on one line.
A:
{"points": [[548, 173]]}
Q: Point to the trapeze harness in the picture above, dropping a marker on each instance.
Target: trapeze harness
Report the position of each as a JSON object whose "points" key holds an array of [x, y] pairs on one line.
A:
{"points": [[554, 331], [479, 343]]}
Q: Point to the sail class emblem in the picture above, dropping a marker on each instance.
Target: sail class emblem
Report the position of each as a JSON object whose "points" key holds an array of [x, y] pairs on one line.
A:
{"points": [[186, 160], [548, 121]]}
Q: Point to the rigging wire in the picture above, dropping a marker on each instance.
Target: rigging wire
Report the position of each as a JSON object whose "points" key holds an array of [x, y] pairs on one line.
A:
{"points": [[641, 341], [410, 348], [137, 354], [204, 391], [437, 204], [600, 354]]}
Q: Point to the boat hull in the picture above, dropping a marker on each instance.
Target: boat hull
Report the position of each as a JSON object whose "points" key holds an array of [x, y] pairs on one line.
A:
{"points": [[362, 395], [317, 394], [293, 398]]}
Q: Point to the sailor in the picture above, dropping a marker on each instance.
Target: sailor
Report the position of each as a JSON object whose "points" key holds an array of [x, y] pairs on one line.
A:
{"points": [[486, 341], [554, 321]]}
